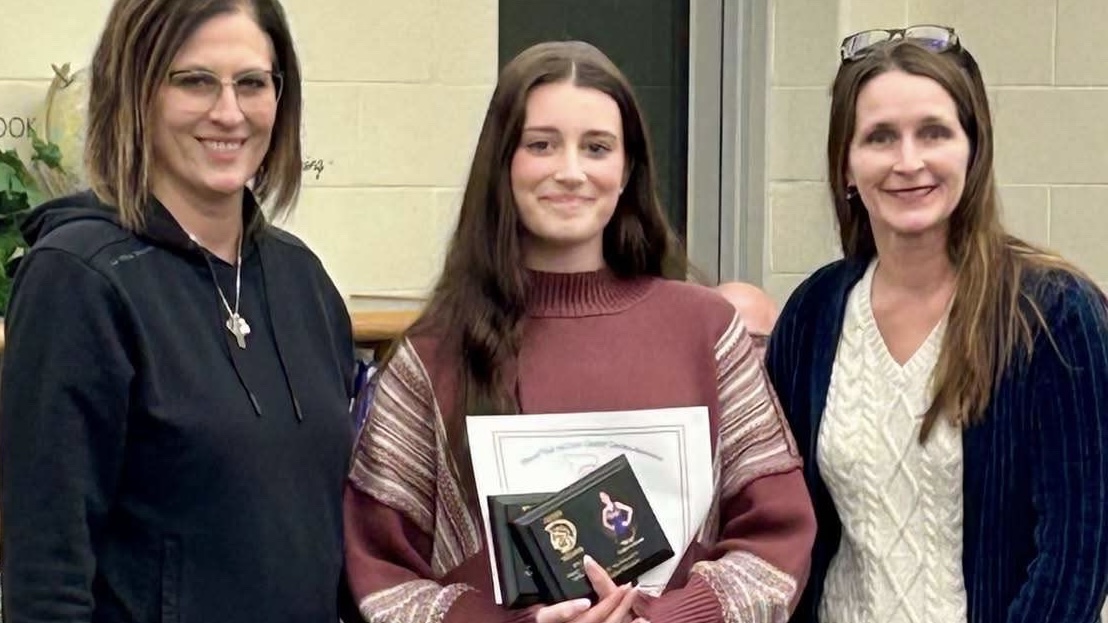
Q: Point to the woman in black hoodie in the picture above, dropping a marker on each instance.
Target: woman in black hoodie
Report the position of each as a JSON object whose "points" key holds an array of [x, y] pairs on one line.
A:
{"points": [[174, 417]]}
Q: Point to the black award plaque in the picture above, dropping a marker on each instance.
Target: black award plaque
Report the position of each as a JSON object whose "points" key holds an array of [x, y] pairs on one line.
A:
{"points": [[605, 515], [517, 584]]}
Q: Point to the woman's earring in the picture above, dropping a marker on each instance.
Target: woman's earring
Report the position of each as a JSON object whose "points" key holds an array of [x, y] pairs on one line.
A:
{"points": [[851, 193]]}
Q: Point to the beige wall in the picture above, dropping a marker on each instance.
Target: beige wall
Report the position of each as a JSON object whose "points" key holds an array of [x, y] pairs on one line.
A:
{"points": [[1048, 79], [394, 100], [396, 91]]}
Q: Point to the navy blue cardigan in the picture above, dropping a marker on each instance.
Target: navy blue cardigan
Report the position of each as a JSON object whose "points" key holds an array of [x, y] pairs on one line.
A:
{"points": [[1035, 533]]}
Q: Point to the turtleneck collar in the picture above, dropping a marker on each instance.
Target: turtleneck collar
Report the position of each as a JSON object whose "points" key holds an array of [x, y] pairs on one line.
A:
{"points": [[571, 295]]}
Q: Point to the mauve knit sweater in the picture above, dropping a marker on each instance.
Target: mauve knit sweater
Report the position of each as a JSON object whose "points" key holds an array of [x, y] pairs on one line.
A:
{"points": [[591, 342]]}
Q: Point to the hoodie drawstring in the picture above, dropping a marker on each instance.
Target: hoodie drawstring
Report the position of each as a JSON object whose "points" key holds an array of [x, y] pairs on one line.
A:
{"points": [[277, 340]]}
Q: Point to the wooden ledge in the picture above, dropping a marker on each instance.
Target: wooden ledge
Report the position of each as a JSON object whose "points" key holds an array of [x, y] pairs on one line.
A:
{"points": [[371, 328]]}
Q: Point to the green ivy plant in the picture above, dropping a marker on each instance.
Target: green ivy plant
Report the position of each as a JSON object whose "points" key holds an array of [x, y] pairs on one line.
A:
{"points": [[21, 190]]}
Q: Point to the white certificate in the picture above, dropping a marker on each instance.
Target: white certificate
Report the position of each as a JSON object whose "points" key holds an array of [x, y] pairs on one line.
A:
{"points": [[669, 450]]}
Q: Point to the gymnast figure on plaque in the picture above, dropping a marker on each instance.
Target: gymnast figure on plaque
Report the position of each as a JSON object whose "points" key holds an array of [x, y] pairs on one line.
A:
{"points": [[617, 518]]}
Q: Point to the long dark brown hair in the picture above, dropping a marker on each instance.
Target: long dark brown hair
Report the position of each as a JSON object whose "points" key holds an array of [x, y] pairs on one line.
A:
{"points": [[992, 317], [132, 61], [478, 307]]}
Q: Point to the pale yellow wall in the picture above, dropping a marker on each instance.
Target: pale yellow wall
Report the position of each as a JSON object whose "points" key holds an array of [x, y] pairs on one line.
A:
{"points": [[1048, 78], [396, 92], [395, 96]]}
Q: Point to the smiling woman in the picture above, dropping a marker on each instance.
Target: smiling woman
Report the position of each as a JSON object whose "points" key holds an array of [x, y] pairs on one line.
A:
{"points": [[562, 292], [946, 381], [908, 158], [174, 402], [208, 141], [567, 176]]}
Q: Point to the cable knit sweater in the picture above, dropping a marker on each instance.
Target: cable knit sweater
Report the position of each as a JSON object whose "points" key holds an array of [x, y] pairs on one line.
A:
{"points": [[900, 502], [1035, 481], [591, 342]]}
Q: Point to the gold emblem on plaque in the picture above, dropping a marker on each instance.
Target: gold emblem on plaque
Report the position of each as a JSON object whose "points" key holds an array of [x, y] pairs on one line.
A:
{"points": [[563, 535]]}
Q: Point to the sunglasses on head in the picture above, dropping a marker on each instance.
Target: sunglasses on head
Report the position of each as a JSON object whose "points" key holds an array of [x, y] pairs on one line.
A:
{"points": [[935, 38]]}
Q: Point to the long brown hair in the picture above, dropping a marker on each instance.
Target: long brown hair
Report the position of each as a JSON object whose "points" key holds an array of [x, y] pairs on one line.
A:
{"points": [[131, 62], [478, 306], [991, 317]]}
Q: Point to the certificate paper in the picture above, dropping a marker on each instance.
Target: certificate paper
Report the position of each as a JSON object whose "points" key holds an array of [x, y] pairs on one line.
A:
{"points": [[670, 451]]}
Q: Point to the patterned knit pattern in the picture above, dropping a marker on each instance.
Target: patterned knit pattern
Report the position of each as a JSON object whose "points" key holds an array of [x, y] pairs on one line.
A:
{"points": [[752, 439], [419, 601], [749, 589], [401, 458], [900, 502]]}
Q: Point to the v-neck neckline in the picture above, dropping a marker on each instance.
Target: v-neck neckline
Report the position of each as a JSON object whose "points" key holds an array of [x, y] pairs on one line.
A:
{"points": [[922, 360]]}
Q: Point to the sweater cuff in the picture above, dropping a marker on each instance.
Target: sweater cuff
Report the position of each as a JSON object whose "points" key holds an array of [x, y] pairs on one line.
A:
{"points": [[475, 605], [695, 603]]}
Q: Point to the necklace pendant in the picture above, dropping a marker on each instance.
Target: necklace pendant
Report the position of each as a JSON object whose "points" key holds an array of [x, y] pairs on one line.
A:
{"points": [[239, 328]]}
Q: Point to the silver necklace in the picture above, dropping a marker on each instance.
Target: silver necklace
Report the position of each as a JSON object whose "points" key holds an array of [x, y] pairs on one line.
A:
{"points": [[236, 324]]}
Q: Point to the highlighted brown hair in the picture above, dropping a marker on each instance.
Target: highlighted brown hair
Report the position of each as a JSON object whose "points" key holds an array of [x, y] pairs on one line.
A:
{"points": [[992, 318], [479, 303], [132, 60]]}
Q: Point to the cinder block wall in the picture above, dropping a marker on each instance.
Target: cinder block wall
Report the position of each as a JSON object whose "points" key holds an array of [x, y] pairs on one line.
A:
{"points": [[394, 100], [396, 92], [1048, 82]]}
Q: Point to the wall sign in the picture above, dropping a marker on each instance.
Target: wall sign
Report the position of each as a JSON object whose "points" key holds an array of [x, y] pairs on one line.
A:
{"points": [[16, 126]]}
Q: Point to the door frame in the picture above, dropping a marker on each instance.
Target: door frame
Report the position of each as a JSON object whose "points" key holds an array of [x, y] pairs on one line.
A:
{"points": [[728, 91]]}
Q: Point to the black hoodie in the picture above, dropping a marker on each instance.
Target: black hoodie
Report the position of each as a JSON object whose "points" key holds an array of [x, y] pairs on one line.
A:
{"points": [[151, 469]]}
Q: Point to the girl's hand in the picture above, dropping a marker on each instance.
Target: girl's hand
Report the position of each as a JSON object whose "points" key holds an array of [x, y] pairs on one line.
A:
{"points": [[615, 608], [603, 584]]}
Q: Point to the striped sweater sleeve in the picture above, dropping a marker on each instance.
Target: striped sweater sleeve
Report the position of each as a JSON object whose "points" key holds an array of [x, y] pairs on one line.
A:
{"points": [[405, 521], [763, 526], [1068, 579]]}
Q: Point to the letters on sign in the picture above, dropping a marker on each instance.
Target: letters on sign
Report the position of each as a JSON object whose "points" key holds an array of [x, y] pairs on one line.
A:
{"points": [[17, 127]]}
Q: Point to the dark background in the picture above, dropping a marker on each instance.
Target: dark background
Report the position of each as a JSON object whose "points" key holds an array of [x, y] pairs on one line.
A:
{"points": [[649, 41]]}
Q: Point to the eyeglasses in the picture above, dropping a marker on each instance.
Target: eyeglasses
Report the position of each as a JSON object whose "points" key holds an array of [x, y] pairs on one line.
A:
{"points": [[931, 36], [200, 89]]}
